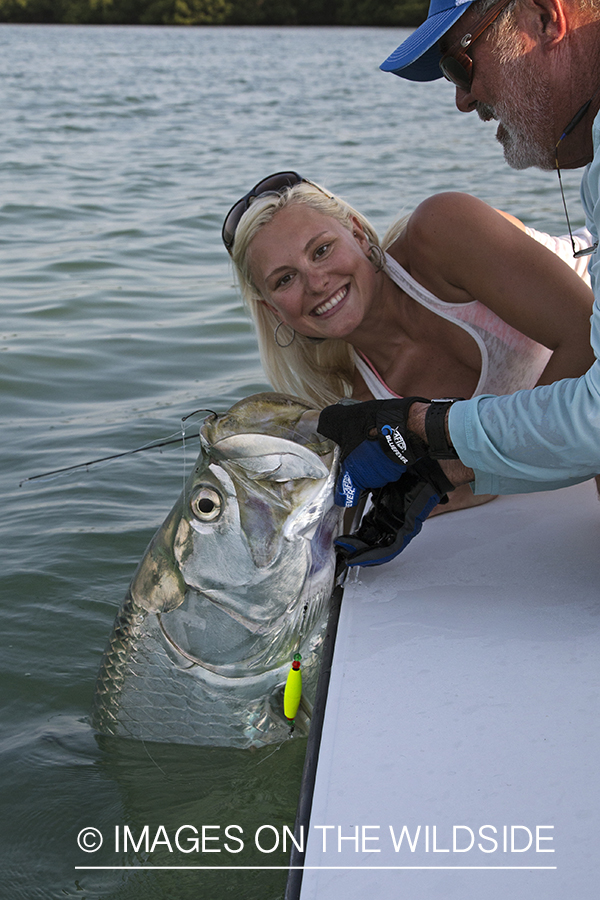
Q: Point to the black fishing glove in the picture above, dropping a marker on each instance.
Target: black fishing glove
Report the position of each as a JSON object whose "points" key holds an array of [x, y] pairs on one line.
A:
{"points": [[376, 445], [397, 515]]}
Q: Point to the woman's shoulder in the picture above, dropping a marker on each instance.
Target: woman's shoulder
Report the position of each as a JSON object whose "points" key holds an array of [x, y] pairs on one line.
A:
{"points": [[450, 203], [434, 234], [438, 221], [450, 209]]}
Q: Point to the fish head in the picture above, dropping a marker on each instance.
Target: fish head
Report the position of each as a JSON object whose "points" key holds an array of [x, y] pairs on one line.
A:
{"points": [[256, 518]]}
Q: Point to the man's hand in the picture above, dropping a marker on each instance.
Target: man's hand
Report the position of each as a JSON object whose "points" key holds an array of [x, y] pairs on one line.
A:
{"points": [[397, 515], [376, 444]]}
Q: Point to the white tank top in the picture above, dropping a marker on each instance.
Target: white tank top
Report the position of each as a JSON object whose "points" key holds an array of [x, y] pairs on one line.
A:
{"points": [[510, 361]]}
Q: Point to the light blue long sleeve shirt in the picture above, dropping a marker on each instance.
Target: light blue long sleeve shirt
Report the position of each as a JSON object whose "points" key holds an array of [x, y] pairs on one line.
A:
{"points": [[548, 437]]}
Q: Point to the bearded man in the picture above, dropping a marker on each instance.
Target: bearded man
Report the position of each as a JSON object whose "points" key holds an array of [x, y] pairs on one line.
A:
{"points": [[534, 66]]}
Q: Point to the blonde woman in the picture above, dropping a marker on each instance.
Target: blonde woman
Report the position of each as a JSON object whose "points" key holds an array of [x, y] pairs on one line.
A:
{"points": [[456, 301]]}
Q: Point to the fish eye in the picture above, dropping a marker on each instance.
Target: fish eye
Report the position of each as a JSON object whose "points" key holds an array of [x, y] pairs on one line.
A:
{"points": [[206, 505]]}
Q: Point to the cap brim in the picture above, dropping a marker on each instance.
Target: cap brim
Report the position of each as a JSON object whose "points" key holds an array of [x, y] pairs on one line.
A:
{"points": [[418, 57]]}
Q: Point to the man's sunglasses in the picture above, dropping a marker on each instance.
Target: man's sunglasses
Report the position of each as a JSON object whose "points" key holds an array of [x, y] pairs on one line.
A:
{"points": [[273, 184], [456, 64]]}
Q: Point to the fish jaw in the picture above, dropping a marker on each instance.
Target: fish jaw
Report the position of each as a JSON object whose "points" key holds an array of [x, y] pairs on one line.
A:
{"points": [[148, 690]]}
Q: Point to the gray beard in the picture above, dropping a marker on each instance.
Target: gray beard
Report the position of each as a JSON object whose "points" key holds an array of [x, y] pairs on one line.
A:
{"points": [[523, 118], [521, 154]]}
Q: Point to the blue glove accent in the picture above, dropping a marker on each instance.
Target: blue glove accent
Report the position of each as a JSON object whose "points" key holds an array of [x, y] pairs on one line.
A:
{"points": [[358, 554], [365, 468], [397, 515]]}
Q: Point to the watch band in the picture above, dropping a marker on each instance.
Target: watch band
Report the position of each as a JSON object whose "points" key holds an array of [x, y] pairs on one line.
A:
{"points": [[435, 430]]}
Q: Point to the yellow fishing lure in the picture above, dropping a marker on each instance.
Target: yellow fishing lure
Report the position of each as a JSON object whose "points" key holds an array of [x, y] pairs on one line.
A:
{"points": [[293, 690]]}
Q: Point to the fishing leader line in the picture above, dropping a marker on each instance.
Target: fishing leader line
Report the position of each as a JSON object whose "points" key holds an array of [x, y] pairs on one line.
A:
{"points": [[175, 438], [153, 445], [183, 435], [292, 694]]}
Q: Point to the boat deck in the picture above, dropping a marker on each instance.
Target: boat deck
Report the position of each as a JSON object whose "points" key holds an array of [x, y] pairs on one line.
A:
{"points": [[459, 754]]}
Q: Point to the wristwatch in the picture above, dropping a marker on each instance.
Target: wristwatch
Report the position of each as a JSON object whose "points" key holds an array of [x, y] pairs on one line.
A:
{"points": [[435, 429]]}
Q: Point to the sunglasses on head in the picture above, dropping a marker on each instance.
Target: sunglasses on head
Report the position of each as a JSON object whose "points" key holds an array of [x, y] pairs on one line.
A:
{"points": [[456, 64], [273, 184]]}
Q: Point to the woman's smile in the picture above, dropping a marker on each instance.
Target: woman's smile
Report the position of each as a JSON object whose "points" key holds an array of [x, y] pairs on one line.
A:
{"points": [[332, 302]]}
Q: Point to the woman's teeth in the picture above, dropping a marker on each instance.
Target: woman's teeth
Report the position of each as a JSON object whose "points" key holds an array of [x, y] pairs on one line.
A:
{"points": [[333, 301]]}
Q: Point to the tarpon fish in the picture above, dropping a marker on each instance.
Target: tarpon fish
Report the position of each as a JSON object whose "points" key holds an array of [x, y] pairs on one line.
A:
{"points": [[236, 581]]}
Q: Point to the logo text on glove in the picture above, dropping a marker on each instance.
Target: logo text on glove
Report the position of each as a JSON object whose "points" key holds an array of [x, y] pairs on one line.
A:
{"points": [[348, 489], [395, 441]]}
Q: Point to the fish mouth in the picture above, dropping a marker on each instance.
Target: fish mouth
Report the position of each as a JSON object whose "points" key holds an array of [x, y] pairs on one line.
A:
{"points": [[266, 646], [191, 658], [331, 302]]}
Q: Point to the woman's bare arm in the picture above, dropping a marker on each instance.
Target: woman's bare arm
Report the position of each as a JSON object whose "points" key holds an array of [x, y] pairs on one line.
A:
{"points": [[512, 219], [462, 249]]}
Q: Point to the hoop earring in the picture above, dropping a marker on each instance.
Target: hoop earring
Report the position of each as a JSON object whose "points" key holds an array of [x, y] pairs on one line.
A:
{"points": [[291, 340], [376, 257]]}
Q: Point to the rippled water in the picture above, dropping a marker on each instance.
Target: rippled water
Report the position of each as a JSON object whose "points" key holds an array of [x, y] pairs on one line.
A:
{"points": [[121, 150]]}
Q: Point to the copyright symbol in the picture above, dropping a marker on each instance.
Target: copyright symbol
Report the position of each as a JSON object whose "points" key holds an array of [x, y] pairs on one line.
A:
{"points": [[89, 840]]}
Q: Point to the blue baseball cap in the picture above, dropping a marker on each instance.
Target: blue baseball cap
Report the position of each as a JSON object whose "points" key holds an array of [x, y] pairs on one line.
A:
{"points": [[418, 57]]}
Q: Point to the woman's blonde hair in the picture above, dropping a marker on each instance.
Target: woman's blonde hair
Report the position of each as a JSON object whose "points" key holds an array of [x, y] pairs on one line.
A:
{"points": [[319, 372]]}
